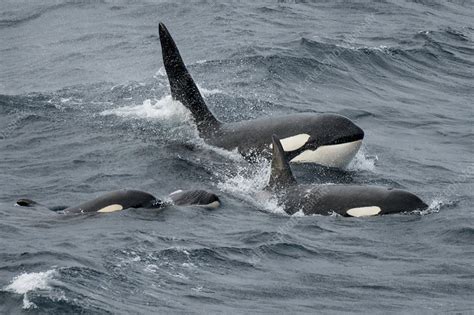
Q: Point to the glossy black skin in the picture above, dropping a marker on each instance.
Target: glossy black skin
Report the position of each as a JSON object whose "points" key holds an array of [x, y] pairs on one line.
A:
{"points": [[252, 136], [193, 197], [131, 199], [125, 198], [325, 199]]}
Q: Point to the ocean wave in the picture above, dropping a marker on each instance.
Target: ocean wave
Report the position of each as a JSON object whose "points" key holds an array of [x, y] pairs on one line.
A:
{"points": [[19, 19], [179, 262], [27, 282], [423, 48], [21, 16], [434, 206], [459, 236]]}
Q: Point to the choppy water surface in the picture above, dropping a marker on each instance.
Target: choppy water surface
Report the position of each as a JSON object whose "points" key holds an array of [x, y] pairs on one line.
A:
{"points": [[85, 108]]}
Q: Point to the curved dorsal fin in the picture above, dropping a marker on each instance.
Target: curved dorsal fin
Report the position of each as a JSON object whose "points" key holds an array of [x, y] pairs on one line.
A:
{"points": [[182, 86], [281, 175]]}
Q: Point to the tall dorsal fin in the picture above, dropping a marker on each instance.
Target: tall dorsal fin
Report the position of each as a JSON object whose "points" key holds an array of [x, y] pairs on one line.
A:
{"points": [[281, 175], [182, 86]]}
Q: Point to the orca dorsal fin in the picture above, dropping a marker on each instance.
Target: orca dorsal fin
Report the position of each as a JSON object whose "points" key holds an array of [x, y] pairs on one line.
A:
{"points": [[281, 175], [182, 85]]}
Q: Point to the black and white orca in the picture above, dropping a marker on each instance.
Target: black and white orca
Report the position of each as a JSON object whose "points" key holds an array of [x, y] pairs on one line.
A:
{"points": [[346, 200], [328, 139], [125, 199]]}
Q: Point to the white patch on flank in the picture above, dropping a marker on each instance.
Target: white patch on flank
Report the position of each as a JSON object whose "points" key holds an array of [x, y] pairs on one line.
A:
{"points": [[213, 205], [336, 155], [294, 142], [364, 211], [111, 208]]}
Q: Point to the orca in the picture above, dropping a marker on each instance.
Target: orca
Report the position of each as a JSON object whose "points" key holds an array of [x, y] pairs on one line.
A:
{"points": [[125, 199], [195, 197], [326, 139], [346, 200]]}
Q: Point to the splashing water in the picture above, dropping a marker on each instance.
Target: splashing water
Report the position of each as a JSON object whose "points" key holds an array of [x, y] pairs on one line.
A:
{"points": [[26, 282], [249, 183], [363, 161], [433, 207], [163, 109], [207, 92]]}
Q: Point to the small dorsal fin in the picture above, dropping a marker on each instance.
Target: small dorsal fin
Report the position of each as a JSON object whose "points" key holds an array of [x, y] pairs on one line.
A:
{"points": [[182, 85], [281, 175]]}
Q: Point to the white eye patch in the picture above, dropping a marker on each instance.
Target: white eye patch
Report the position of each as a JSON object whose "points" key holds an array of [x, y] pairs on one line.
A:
{"points": [[294, 142], [335, 155]]}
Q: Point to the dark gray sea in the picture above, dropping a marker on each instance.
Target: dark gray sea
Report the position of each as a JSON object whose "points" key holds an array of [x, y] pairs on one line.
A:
{"points": [[85, 108]]}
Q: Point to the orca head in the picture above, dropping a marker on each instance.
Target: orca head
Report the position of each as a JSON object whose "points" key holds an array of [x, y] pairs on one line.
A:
{"points": [[337, 129], [400, 200], [333, 141]]}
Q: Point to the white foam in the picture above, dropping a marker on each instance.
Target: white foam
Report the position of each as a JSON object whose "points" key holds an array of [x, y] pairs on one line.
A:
{"points": [[163, 109], [247, 179], [207, 92], [298, 213], [233, 155], [249, 183], [160, 73], [363, 161], [151, 268], [26, 282], [433, 207], [197, 288]]}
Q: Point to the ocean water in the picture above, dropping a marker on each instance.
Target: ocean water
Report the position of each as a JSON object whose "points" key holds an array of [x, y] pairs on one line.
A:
{"points": [[85, 108]]}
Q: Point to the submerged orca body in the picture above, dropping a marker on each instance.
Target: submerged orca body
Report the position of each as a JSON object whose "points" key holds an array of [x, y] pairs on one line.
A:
{"points": [[346, 200], [328, 139], [195, 197], [125, 199]]}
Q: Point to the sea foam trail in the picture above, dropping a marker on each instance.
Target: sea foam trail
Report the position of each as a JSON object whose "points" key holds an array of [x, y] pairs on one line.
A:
{"points": [[27, 282], [173, 112], [160, 109]]}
